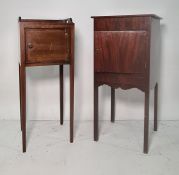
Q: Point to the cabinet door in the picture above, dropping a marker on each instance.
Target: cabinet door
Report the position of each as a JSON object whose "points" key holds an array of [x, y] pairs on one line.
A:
{"points": [[47, 45], [120, 51]]}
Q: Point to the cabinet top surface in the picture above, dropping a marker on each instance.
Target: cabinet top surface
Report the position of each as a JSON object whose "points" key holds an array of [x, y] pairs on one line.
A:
{"points": [[123, 16]]}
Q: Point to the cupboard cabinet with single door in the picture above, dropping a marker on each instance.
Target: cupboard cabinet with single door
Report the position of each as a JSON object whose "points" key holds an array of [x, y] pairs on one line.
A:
{"points": [[43, 43]]}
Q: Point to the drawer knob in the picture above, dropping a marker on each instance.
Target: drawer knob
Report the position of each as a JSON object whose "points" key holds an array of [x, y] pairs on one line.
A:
{"points": [[30, 46], [98, 49]]}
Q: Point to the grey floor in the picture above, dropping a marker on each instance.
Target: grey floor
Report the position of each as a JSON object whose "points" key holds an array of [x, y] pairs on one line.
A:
{"points": [[118, 151]]}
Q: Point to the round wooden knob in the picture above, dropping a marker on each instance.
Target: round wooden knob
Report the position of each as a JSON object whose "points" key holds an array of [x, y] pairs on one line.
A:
{"points": [[30, 46]]}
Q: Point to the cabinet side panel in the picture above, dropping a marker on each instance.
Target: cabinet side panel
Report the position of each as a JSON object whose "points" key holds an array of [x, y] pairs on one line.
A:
{"points": [[22, 43], [154, 52]]}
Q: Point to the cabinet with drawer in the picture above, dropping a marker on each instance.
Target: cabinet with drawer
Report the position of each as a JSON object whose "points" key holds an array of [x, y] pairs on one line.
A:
{"points": [[126, 55]]}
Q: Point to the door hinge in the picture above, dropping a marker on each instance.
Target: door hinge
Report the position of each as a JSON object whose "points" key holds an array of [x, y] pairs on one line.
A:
{"points": [[67, 44]]}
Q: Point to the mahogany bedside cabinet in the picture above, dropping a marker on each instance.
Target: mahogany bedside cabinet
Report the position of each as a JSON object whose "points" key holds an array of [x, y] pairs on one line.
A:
{"points": [[126, 55], [42, 43]]}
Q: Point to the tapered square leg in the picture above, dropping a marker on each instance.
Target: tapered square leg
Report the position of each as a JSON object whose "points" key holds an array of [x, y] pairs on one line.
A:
{"points": [[155, 107], [20, 96], [146, 122], [23, 105], [71, 101], [96, 134], [61, 94], [112, 104]]}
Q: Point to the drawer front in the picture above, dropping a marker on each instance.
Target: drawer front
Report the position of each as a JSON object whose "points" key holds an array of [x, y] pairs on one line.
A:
{"points": [[47, 45], [124, 23], [120, 51]]}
